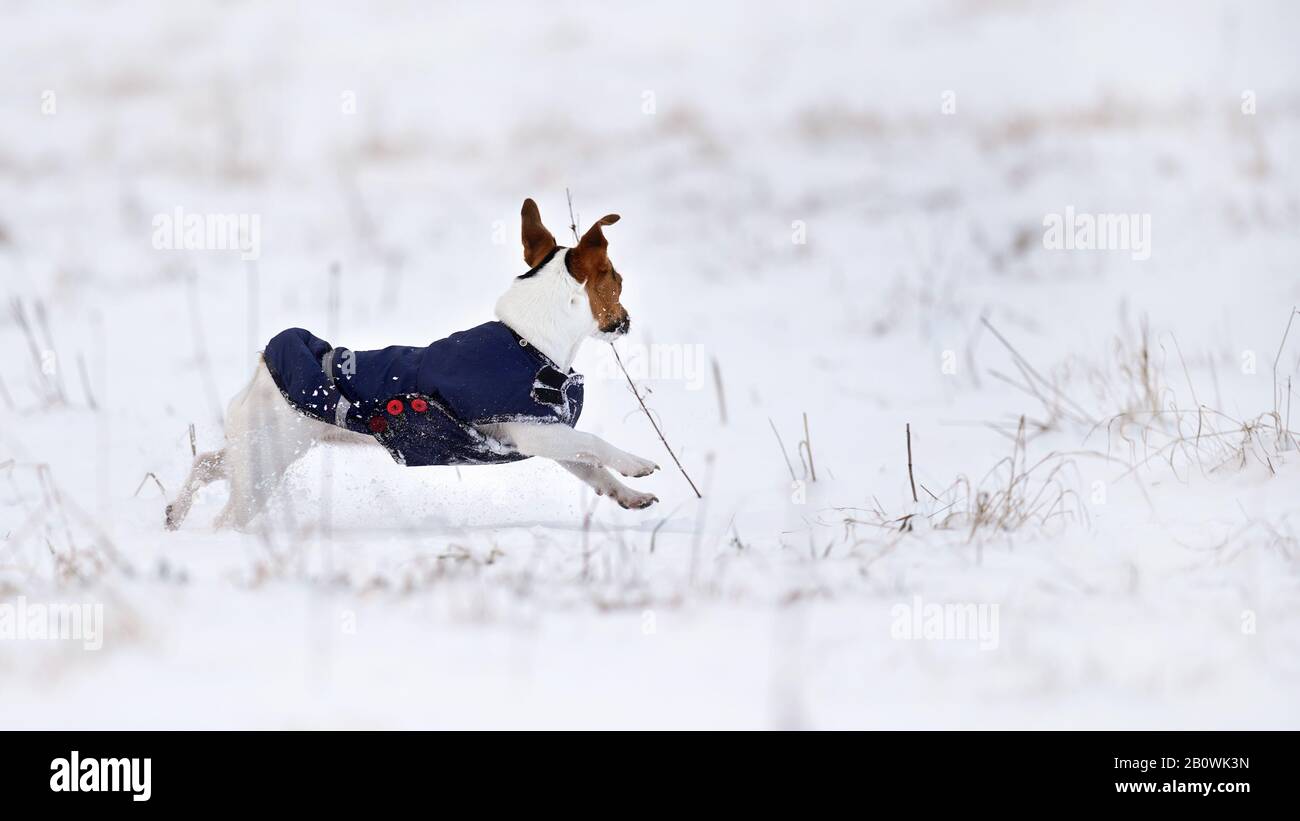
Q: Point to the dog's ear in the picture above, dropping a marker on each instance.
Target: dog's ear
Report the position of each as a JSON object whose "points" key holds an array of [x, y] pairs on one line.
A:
{"points": [[538, 242], [594, 239], [591, 257]]}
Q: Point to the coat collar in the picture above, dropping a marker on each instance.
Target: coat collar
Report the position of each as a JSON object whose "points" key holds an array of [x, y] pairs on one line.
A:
{"points": [[533, 350]]}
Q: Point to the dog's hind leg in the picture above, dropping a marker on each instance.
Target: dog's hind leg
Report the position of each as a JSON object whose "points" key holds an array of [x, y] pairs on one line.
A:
{"points": [[264, 437], [208, 467]]}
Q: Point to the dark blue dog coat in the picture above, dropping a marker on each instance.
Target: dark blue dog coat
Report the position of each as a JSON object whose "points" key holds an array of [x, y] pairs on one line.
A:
{"points": [[422, 403]]}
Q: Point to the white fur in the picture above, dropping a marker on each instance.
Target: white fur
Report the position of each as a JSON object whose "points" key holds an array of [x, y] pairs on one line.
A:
{"points": [[554, 309], [265, 435]]}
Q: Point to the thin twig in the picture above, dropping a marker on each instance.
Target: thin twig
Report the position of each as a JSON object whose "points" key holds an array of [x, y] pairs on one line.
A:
{"points": [[805, 447], [50, 388], [573, 221], [722, 396], [1033, 375], [42, 320], [1278, 358], [147, 477], [85, 383], [784, 455], [910, 477], [573, 226], [660, 433]]}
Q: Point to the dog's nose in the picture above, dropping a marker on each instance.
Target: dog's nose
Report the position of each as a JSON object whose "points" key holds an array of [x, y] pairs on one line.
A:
{"points": [[618, 328]]}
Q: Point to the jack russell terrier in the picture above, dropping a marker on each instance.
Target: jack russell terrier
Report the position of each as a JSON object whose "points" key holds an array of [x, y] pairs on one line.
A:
{"points": [[500, 392]]}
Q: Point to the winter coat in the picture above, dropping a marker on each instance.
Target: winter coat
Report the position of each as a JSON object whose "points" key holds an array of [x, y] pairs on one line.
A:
{"points": [[422, 404]]}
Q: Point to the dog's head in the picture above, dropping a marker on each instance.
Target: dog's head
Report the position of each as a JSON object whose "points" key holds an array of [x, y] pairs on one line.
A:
{"points": [[588, 266]]}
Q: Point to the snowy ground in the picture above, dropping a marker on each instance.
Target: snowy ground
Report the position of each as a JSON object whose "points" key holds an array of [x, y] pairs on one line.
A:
{"points": [[822, 201]]}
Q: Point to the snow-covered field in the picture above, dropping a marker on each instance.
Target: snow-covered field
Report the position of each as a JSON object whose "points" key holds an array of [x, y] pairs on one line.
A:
{"points": [[830, 210]]}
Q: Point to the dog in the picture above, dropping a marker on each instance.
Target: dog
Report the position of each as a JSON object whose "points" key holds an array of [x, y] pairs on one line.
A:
{"points": [[497, 393]]}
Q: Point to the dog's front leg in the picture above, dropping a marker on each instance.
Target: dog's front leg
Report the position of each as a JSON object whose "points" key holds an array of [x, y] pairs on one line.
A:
{"points": [[564, 444], [601, 481]]}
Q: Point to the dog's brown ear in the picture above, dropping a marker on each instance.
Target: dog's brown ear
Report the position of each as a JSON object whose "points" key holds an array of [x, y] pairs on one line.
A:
{"points": [[538, 242], [595, 238]]}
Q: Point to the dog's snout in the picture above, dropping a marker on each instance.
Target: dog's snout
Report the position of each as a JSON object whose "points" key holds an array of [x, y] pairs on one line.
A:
{"points": [[618, 327], [622, 325]]}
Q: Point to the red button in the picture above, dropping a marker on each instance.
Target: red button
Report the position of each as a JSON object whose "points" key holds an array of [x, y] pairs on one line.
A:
{"points": [[378, 424], [419, 405], [395, 406]]}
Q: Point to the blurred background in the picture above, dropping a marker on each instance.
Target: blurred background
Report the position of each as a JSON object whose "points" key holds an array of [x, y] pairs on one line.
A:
{"points": [[833, 228]]}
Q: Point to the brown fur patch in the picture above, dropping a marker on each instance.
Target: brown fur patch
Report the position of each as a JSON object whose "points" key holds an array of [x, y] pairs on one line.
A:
{"points": [[589, 264]]}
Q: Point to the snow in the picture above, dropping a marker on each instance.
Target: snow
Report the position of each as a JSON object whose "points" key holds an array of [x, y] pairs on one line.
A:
{"points": [[380, 596]]}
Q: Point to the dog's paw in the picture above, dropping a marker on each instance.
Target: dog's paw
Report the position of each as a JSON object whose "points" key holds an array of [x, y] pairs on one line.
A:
{"points": [[634, 466], [635, 501]]}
